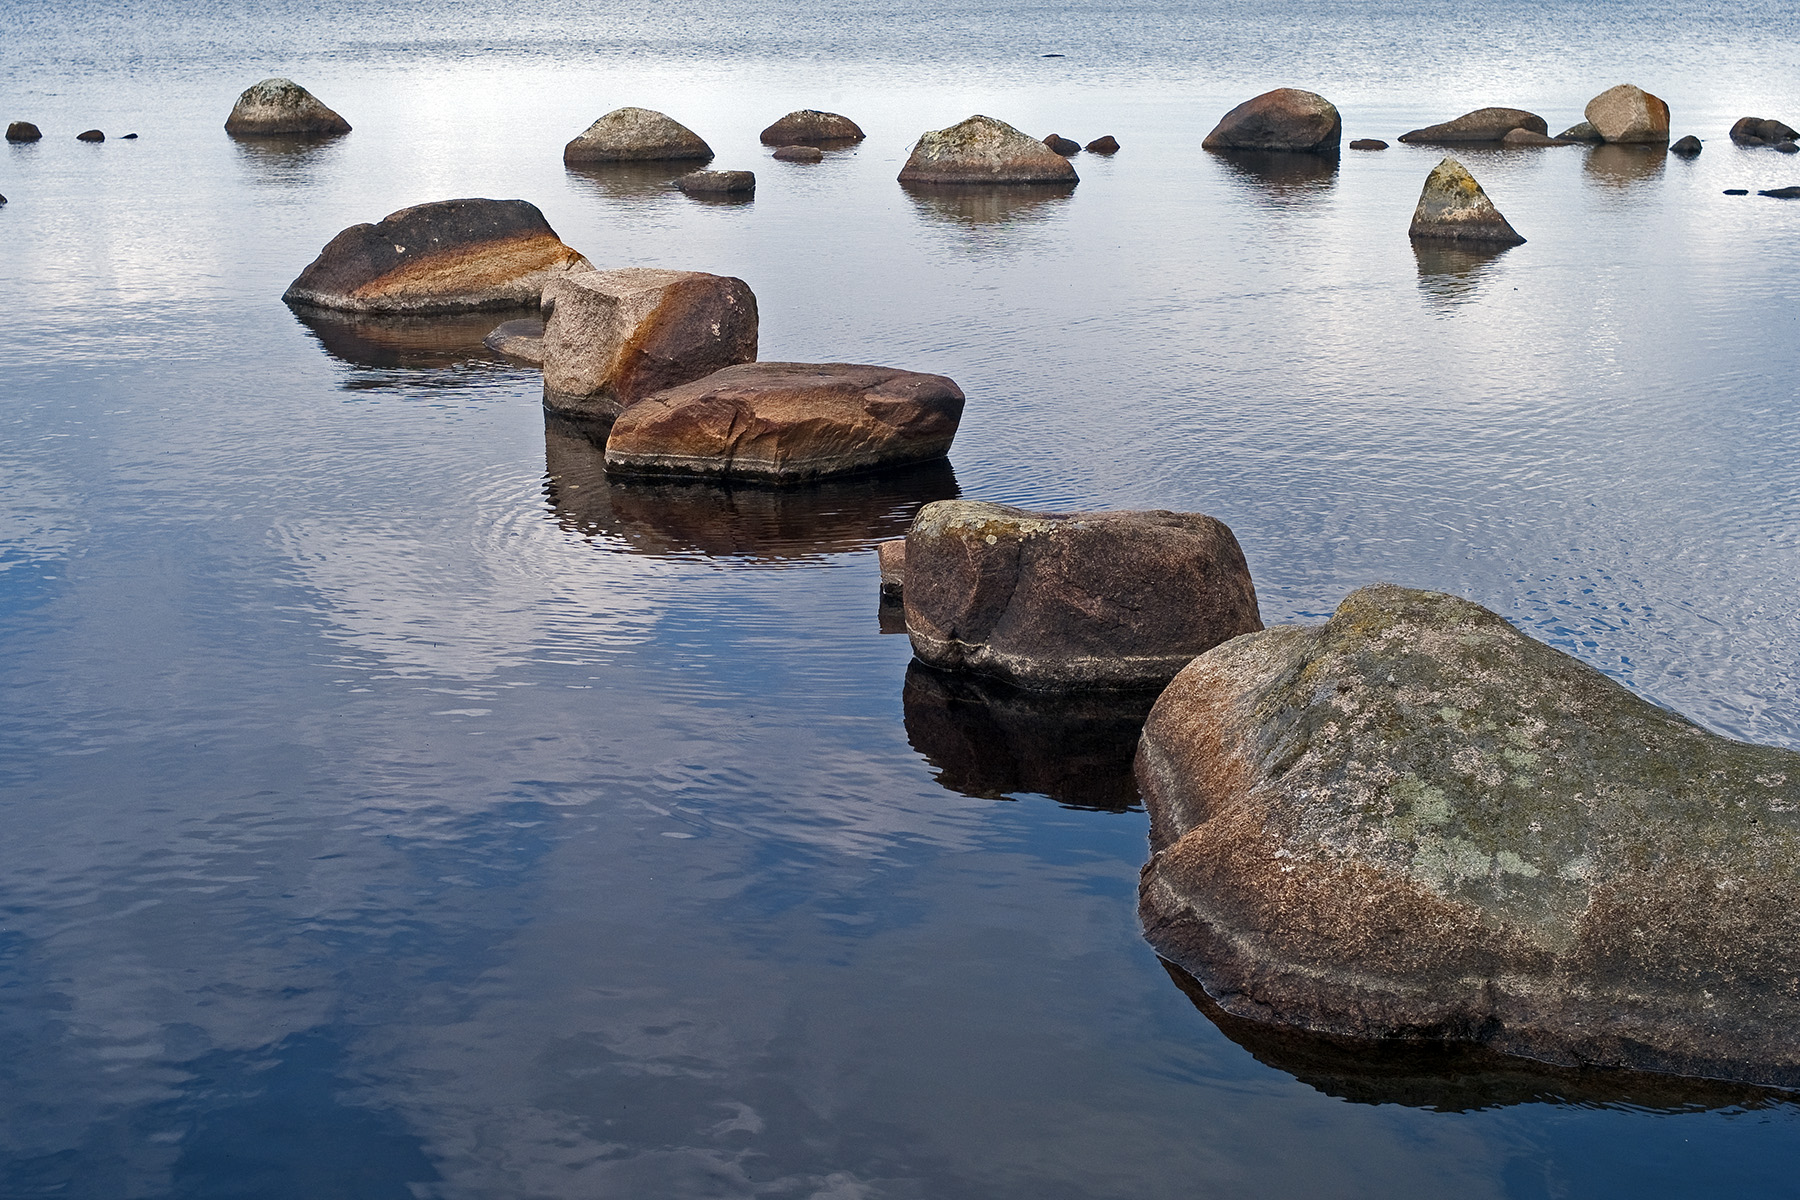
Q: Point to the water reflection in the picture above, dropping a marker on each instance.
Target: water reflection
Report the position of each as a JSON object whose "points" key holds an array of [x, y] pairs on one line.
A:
{"points": [[977, 206], [992, 741], [1449, 1078], [773, 525], [1615, 166], [411, 343], [630, 180], [1278, 178], [286, 161], [1452, 273]]}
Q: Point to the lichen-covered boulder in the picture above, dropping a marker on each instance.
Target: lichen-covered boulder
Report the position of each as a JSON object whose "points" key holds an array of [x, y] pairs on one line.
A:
{"points": [[1482, 125], [613, 337], [1452, 207], [1058, 600], [23, 131], [1284, 119], [810, 127], [635, 135], [444, 257], [775, 422], [983, 150], [1414, 821], [1627, 113], [282, 108], [1747, 131]]}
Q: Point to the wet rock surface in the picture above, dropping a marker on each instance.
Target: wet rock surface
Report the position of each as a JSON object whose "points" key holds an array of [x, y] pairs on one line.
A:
{"points": [[1452, 207], [612, 338], [444, 257], [1482, 125], [1104, 145], [717, 183], [1059, 600], [800, 154], [1686, 147], [522, 339], [1761, 131], [1628, 113], [777, 422], [282, 108], [1416, 822], [635, 135], [23, 131], [810, 127], [1285, 119], [1062, 145], [984, 150]]}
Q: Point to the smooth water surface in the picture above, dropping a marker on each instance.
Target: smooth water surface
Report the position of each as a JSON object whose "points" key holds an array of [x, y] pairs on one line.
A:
{"points": [[395, 807]]}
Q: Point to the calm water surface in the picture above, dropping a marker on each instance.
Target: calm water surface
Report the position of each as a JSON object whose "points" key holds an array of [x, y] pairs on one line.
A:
{"points": [[394, 807]]}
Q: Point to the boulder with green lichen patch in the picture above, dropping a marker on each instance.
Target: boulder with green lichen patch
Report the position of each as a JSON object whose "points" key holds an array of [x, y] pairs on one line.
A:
{"points": [[984, 150]]}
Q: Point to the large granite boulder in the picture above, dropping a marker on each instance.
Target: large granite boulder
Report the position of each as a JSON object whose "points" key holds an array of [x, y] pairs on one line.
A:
{"points": [[776, 422], [1058, 600], [444, 257], [1284, 119], [1745, 131], [810, 127], [23, 131], [1482, 125], [1628, 114], [983, 150], [1414, 821], [613, 337], [282, 108], [1452, 207], [635, 135]]}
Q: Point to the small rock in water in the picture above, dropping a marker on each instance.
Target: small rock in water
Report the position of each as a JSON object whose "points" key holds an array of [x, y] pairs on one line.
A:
{"points": [[2, 199], [1368, 144], [890, 558], [1104, 145], [1062, 145], [1788, 147], [1050, 56], [1452, 206], [1581, 131], [90, 135], [1482, 125], [1737, 191], [282, 108], [130, 137], [1761, 131], [1627, 113], [1530, 137], [717, 183], [810, 127], [805, 154], [635, 135], [23, 131], [1284, 119], [1786, 193], [1686, 147]]}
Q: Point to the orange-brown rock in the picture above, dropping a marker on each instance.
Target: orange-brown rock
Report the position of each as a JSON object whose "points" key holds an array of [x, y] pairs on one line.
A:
{"points": [[787, 423], [983, 150], [810, 127], [1284, 119], [1627, 113], [1104, 145], [1482, 125], [612, 338], [444, 257], [281, 107], [1060, 600]]}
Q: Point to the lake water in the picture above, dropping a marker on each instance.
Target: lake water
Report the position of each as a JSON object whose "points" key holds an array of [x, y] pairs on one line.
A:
{"points": [[394, 807]]}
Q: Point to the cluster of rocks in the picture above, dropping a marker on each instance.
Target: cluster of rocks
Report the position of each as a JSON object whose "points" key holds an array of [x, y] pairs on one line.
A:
{"points": [[1068, 147], [1765, 131], [25, 131]]}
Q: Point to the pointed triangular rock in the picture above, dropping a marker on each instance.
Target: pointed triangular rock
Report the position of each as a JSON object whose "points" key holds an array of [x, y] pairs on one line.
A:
{"points": [[1452, 206]]}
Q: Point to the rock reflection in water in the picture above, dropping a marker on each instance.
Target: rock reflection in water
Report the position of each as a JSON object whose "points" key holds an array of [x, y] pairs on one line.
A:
{"points": [[992, 741], [1280, 178], [412, 343], [286, 161], [1453, 1078], [1621, 166], [1451, 273], [774, 525], [631, 180], [976, 206]]}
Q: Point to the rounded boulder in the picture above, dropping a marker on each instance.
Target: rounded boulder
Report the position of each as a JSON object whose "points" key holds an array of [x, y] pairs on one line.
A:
{"points": [[1284, 119], [282, 108], [984, 150], [810, 127], [635, 135]]}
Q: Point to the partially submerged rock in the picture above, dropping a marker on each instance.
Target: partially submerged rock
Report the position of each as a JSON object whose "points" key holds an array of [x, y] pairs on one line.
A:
{"points": [[1062, 145], [1416, 822], [1517, 138], [1628, 113], [1104, 145], [810, 127], [281, 107], [1368, 144], [1686, 147], [1482, 125], [90, 135], [1748, 131], [444, 257], [1284, 119], [1055, 600], [802, 154], [890, 560], [23, 131], [717, 183], [635, 135], [1783, 193], [983, 150], [613, 337], [522, 339], [1581, 131], [1453, 207], [774, 422]]}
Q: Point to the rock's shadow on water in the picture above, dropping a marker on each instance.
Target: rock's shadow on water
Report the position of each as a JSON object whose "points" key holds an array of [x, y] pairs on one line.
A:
{"points": [[987, 206], [991, 741], [286, 161], [388, 344], [769, 525], [1451, 1078], [1453, 273], [1279, 178], [1618, 166], [631, 180]]}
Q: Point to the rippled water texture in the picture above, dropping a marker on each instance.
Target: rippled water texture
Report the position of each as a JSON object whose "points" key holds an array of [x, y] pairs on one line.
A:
{"points": [[395, 807]]}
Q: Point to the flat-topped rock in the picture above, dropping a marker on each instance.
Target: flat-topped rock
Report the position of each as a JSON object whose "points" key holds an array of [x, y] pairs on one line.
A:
{"points": [[1057, 600], [718, 183], [444, 257], [801, 154], [612, 338], [1627, 113], [635, 135], [810, 127], [1745, 131], [1416, 822], [1284, 119], [983, 150], [1452, 207], [1482, 125], [522, 339], [282, 108], [23, 131], [1368, 144], [775, 422]]}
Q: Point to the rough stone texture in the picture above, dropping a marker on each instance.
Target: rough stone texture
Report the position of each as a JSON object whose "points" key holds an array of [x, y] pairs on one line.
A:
{"points": [[1748, 131], [717, 183], [447, 256], [1686, 147], [1628, 114], [801, 154], [281, 107], [635, 135], [90, 135], [1104, 145], [1482, 125], [1056, 600], [1368, 144], [23, 131], [1517, 138], [1416, 822], [1581, 131], [810, 127], [1062, 145], [890, 560], [787, 423], [613, 337], [522, 339], [1284, 119], [983, 150], [1453, 207]]}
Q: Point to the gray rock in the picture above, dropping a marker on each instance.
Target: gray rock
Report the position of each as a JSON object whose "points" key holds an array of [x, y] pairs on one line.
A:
{"points": [[799, 154], [717, 183], [1453, 207], [984, 150], [1482, 125], [1416, 822], [635, 135], [522, 339], [1761, 131], [1784, 193], [1686, 147], [810, 127], [1581, 131], [1060, 600], [23, 131], [1285, 119], [281, 107], [1627, 113]]}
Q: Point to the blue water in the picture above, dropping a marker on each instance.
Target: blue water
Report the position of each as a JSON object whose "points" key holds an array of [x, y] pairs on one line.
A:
{"points": [[393, 807]]}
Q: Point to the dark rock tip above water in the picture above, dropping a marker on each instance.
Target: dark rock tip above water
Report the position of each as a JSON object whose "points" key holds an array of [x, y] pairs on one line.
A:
{"points": [[1784, 193], [1686, 147], [1761, 131], [23, 131], [1104, 145], [1368, 144], [90, 135], [1062, 145]]}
